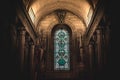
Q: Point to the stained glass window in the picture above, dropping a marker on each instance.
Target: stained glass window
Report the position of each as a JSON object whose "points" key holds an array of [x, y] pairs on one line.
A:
{"points": [[61, 50]]}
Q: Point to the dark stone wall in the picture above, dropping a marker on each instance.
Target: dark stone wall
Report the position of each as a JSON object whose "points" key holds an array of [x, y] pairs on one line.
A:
{"points": [[8, 61]]}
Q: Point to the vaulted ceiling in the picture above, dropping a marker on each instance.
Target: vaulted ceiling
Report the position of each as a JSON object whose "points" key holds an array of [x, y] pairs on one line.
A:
{"points": [[78, 13]]}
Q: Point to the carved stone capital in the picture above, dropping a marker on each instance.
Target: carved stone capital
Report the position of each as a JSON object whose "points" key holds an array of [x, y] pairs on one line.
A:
{"points": [[31, 43], [61, 15], [21, 30]]}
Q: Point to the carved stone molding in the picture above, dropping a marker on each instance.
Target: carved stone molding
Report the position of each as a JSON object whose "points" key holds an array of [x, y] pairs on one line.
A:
{"points": [[61, 15]]}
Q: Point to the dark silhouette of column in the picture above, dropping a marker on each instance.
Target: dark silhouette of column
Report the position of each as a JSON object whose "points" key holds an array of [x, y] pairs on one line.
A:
{"points": [[81, 52], [99, 46], [26, 58], [91, 54], [32, 46], [21, 47], [81, 55], [107, 42]]}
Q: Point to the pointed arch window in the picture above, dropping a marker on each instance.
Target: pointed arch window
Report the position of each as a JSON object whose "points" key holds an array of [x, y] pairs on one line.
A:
{"points": [[61, 50]]}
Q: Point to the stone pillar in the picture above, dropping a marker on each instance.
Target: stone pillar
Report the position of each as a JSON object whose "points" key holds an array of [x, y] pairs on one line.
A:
{"points": [[21, 47], [80, 39], [26, 58], [91, 55], [26, 54], [107, 40], [81, 56], [99, 46], [32, 46], [81, 53]]}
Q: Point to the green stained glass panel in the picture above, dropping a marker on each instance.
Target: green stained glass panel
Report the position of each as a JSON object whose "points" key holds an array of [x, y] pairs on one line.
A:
{"points": [[61, 62], [61, 50]]}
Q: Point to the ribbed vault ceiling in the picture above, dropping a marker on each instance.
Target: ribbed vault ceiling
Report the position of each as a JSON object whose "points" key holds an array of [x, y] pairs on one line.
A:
{"points": [[79, 12]]}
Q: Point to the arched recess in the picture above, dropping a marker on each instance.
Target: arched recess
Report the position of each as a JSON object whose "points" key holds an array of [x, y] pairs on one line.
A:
{"points": [[53, 24], [68, 34], [61, 41], [51, 69]]}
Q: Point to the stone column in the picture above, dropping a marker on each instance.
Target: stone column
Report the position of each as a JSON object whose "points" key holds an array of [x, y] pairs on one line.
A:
{"points": [[21, 47], [99, 46], [107, 40], [32, 46], [91, 54], [81, 53], [26, 58]]}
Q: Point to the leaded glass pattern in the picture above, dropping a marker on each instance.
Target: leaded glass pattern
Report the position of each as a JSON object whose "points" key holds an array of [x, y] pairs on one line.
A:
{"points": [[61, 50]]}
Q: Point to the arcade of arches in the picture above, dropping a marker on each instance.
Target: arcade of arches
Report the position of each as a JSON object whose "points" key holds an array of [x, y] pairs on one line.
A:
{"points": [[60, 39]]}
